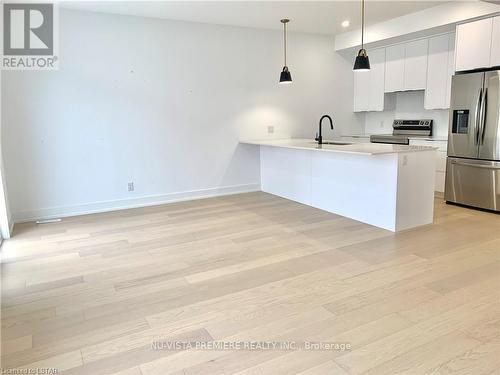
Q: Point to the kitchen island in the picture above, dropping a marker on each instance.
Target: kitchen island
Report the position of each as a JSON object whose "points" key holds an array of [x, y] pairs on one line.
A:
{"points": [[388, 186]]}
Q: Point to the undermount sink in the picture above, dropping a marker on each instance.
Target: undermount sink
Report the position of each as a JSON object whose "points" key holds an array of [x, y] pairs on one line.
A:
{"points": [[336, 143]]}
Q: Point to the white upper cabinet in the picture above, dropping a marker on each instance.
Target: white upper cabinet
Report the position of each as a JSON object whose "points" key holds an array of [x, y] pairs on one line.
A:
{"points": [[369, 86], [423, 64], [394, 68], [495, 43], [361, 84], [474, 44], [405, 67], [377, 80], [439, 71], [451, 67], [415, 76]]}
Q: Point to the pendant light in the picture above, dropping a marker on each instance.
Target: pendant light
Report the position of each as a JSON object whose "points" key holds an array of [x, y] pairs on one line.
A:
{"points": [[362, 62], [285, 76]]}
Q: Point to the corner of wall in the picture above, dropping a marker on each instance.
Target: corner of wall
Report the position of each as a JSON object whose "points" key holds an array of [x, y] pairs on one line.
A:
{"points": [[6, 222]]}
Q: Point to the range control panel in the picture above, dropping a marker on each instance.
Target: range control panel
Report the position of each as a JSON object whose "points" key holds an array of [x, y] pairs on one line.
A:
{"points": [[399, 123], [415, 127]]}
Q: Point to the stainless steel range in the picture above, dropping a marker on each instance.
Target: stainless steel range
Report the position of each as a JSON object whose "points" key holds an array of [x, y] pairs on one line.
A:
{"points": [[402, 130]]}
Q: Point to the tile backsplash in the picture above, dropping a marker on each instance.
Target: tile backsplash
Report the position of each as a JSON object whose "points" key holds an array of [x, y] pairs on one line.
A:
{"points": [[405, 105]]}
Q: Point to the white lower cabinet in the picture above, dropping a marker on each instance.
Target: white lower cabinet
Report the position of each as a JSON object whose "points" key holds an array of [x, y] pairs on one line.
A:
{"points": [[440, 172], [399, 197]]}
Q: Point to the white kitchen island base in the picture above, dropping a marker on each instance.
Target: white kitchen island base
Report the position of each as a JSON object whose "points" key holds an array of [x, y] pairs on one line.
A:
{"points": [[393, 190]]}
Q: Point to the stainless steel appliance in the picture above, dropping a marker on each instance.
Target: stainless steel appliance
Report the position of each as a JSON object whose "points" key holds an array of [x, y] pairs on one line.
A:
{"points": [[473, 163], [402, 130]]}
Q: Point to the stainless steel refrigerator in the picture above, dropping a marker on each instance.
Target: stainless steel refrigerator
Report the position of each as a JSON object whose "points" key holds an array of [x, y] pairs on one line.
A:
{"points": [[473, 163]]}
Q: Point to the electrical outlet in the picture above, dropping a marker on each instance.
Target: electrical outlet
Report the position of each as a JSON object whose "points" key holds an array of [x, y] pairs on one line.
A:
{"points": [[270, 129], [130, 186], [405, 160], [381, 124]]}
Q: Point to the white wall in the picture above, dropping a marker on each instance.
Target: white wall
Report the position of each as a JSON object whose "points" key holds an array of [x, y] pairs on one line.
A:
{"points": [[406, 105], [5, 214], [160, 103]]}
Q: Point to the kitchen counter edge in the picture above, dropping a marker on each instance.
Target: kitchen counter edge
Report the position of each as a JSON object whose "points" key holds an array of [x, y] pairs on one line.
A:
{"points": [[354, 148]]}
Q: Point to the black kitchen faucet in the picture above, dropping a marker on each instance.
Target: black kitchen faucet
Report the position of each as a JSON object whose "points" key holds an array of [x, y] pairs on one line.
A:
{"points": [[319, 137]]}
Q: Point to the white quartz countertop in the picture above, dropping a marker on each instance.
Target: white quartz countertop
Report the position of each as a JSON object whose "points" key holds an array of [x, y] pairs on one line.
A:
{"points": [[354, 148]]}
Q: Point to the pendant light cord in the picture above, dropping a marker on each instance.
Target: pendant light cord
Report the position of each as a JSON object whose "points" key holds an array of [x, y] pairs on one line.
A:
{"points": [[284, 41], [362, 24]]}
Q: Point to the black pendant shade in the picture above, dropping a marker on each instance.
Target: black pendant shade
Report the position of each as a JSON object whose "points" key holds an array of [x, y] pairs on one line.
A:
{"points": [[285, 76], [362, 61]]}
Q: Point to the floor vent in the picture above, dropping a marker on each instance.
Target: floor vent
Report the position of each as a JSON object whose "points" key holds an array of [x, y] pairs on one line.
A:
{"points": [[48, 221]]}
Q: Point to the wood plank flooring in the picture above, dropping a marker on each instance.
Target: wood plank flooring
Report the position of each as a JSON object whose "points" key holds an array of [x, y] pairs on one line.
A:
{"points": [[91, 294]]}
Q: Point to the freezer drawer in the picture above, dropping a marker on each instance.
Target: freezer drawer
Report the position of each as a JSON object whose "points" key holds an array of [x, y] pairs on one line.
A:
{"points": [[473, 182]]}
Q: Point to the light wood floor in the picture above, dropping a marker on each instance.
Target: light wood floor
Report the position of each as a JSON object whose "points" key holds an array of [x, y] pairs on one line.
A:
{"points": [[90, 295]]}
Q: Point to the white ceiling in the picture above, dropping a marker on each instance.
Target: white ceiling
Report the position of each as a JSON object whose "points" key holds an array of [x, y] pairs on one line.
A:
{"points": [[322, 17]]}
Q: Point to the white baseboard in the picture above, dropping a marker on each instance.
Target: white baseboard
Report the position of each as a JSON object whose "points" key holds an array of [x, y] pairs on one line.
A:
{"points": [[123, 204]]}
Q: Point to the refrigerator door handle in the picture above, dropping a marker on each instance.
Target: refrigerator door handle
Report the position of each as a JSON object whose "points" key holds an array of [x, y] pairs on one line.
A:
{"points": [[478, 114], [484, 166], [483, 113]]}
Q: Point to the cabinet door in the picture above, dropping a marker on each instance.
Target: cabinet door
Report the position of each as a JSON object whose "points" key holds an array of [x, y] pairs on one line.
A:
{"points": [[394, 68], [415, 71], [436, 92], [377, 80], [451, 67], [440, 161], [495, 43], [473, 45], [361, 91]]}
